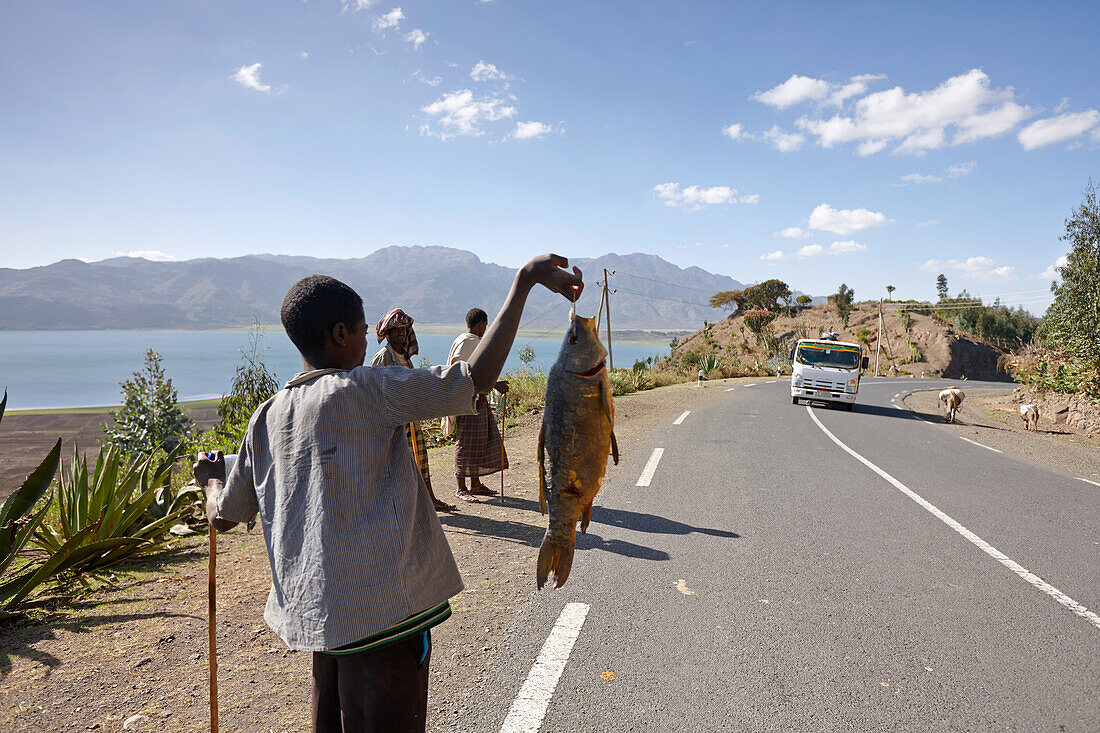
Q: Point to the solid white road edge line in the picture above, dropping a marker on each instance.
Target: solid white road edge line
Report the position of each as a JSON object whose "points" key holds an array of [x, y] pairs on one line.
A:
{"points": [[977, 541], [974, 442], [529, 707], [680, 419], [650, 467], [1088, 481]]}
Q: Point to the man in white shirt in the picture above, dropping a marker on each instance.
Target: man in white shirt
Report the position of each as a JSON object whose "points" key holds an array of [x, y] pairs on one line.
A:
{"points": [[479, 449]]}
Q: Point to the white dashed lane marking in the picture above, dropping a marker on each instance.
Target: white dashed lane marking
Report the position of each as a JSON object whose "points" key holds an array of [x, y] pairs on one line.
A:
{"points": [[977, 541], [751, 385], [650, 467], [974, 442], [680, 419], [529, 708], [731, 389]]}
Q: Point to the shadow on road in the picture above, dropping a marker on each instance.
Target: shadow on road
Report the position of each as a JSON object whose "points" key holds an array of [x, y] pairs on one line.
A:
{"points": [[651, 523]]}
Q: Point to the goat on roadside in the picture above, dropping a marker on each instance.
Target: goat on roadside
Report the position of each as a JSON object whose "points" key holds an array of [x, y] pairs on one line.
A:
{"points": [[1030, 416], [952, 398]]}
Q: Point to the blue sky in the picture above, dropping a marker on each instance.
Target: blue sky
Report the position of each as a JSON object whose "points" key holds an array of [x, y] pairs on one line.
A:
{"points": [[888, 141]]}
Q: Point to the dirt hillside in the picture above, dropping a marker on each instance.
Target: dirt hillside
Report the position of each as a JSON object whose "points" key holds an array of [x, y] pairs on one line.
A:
{"points": [[919, 346]]}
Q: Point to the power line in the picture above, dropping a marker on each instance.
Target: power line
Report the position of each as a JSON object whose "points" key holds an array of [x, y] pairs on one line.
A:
{"points": [[663, 282], [659, 297]]}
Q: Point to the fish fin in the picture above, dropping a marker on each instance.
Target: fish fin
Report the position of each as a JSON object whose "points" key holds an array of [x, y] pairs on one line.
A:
{"points": [[586, 516], [556, 558], [605, 402], [542, 471], [614, 448]]}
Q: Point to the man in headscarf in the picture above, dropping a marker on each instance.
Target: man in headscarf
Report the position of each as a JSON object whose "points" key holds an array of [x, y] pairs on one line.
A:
{"points": [[400, 347], [479, 450]]}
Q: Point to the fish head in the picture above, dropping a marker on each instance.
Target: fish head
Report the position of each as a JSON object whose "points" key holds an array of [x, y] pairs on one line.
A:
{"points": [[582, 353]]}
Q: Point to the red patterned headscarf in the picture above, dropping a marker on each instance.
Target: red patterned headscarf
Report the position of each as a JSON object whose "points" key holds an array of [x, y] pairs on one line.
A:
{"points": [[395, 319]]}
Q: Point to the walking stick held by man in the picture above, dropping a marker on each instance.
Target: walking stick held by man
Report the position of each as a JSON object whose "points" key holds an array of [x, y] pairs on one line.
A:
{"points": [[503, 420], [210, 475]]}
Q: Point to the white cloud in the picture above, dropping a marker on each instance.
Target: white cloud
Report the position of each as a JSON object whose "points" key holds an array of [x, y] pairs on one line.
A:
{"points": [[736, 132], [928, 223], [794, 90], [973, 268], [694, 197], [483, 71], [920, 178], [153, 255], [962, 109], [249, 76], [1051, 273], [784, 142], [776, 255], [752, 198], [856, 86], [1058, 129], [531, 130], [416, 37], [840, 248], [461, 114], [355, 5], [792, 233], [432, 81], [303, 55], [811, 250], [962, 169], [846, 221], [390, 20]]}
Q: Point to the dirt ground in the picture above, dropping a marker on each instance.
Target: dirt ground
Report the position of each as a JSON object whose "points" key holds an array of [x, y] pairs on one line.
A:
{"points": [[139, 648], [26, 439], [990, 417]]}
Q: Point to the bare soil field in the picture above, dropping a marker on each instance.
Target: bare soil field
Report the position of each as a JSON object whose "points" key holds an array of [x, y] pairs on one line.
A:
{"points": [[26, 439], [989, 416], [139, 648]]}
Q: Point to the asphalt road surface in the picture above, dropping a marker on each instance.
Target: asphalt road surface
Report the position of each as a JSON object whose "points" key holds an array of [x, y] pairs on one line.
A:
{"points": [[770, 578]]}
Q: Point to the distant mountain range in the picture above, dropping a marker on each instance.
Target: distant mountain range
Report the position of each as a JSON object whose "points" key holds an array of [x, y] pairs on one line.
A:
{"points": [[433, 284]]}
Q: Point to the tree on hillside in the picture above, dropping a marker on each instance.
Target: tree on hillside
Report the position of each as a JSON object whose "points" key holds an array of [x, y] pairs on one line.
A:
{"points": [[1073, 320], [804, 301], [941, 286], [726, 298], [890, 292], [844, 297], [766, 295], [150, 420]]}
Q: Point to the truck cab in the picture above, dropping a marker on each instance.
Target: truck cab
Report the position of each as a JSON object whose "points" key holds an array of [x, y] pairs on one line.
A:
{"points": [[826, 370]]}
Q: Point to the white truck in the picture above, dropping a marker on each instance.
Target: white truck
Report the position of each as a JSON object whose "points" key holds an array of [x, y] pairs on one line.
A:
{"points": [[826, 370]]}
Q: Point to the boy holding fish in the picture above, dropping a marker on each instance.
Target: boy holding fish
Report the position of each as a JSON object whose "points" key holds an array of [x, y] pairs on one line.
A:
{"points": [[361, 569]]}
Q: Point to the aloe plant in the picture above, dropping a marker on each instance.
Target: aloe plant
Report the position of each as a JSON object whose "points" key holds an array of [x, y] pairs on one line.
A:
{"points": [[104, 514], [20, 516]]}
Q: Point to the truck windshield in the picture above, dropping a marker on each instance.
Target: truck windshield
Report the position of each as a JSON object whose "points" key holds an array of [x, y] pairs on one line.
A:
{"points": [[832, 355]]}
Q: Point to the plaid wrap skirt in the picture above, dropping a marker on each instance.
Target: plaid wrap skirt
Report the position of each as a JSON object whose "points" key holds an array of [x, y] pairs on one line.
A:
{"points": [[479, 450]]}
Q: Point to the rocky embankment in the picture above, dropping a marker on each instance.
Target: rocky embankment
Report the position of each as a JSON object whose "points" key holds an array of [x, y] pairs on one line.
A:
{"points": [[1075, 411]]}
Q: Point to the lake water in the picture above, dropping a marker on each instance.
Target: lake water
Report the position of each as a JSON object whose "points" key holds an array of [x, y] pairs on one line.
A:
{"points": [[83, 368]]}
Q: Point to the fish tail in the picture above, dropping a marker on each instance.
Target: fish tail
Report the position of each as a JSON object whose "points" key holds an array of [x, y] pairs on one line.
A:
{"points": [[555, 556]]}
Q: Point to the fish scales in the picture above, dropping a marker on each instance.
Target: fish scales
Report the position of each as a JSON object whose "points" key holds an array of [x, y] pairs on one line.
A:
{"points": [[577, 434]]}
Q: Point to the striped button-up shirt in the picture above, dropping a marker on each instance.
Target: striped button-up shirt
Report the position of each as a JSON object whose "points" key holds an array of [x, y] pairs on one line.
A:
{"points": [[354, 541]]}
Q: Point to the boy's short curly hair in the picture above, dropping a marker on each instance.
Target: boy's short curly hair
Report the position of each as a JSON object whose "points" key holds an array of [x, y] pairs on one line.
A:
{"points": [[315, 304], [475, 316]]}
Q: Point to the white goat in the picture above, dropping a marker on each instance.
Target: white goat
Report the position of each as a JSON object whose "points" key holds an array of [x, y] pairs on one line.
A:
{"points": [[1030, 416], [952, 398]]}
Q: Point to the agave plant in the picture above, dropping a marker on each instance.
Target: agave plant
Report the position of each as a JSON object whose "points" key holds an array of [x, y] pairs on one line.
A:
{"points": [[103, 514], [20, 516]]}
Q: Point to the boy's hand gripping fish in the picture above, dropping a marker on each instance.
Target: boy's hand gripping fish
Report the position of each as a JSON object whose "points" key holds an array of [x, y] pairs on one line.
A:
{"points": [[578, 424]]}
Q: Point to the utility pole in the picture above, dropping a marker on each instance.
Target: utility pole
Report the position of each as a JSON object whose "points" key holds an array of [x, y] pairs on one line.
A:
{"points": [[878, 341], [607, 300], [889, 347]]}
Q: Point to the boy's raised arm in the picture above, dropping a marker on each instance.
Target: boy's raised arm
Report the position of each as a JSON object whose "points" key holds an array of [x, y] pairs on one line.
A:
{"points": [[492, 352]]}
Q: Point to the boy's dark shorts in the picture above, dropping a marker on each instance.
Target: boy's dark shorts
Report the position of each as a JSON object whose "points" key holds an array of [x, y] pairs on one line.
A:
{"points": [[374, 691]]}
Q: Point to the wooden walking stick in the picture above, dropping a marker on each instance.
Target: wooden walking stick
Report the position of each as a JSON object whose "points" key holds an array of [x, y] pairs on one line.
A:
{"points": [[503, 419], [212, 597]]}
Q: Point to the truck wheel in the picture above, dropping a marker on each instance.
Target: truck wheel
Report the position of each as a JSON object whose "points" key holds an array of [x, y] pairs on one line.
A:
{"points": [[849, 406], [794, 400]]}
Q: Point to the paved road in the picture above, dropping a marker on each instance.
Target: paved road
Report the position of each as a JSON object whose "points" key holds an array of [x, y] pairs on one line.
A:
{"points": [[767, 579]]}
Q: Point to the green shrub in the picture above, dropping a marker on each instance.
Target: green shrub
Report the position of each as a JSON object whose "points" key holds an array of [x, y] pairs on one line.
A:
{"points": [[150, 421]]}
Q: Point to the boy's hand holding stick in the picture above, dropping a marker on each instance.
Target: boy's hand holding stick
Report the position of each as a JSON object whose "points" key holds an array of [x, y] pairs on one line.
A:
{"points": [[210, 475]]}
